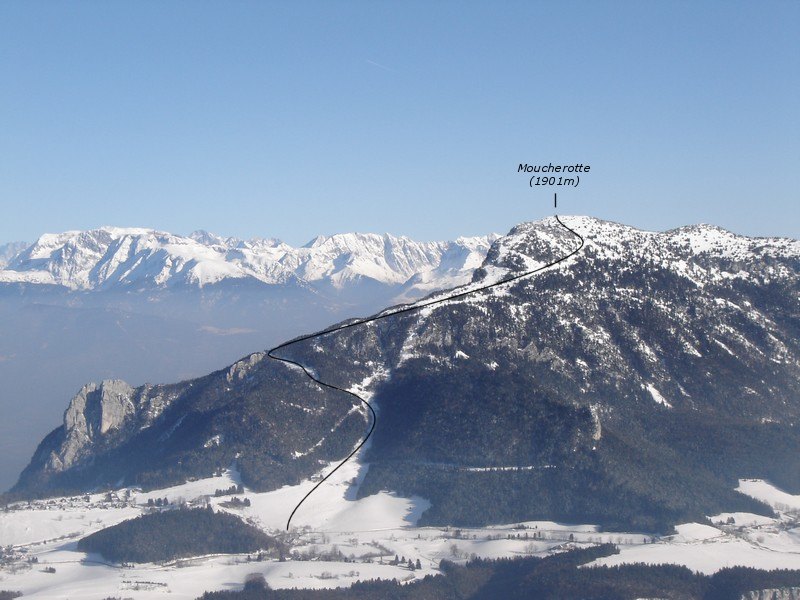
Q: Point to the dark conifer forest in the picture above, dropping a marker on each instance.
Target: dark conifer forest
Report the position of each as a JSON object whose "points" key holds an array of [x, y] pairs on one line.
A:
{"points": [[175, 534]]}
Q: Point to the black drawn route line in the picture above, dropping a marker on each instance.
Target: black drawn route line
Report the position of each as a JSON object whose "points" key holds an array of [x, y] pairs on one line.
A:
{"points": [[403, 309]]}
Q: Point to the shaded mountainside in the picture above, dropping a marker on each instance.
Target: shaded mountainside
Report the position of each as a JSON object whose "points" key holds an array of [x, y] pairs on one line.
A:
{"points": [[629, 386], [260, 416], [632, 385]]}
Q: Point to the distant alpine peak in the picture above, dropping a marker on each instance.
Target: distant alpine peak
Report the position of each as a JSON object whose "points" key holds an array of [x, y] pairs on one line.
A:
{"points": [[140, 258], [351, 239], [211, 239]]}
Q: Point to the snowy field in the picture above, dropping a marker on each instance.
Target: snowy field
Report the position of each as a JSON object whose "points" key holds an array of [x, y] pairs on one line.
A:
{"points": [[736, 539], [364, 535]]}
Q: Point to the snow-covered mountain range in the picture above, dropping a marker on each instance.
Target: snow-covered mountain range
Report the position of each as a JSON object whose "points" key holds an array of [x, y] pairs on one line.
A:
{"points": [[632, 385], [646, 381], [135, 259]]}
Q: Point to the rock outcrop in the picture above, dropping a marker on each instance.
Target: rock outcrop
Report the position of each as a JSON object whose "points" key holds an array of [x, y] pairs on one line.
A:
{"points": [[92, 414]]}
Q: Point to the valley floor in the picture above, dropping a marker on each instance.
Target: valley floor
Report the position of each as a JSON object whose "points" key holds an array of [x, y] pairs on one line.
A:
{"points": [[336, 540]]}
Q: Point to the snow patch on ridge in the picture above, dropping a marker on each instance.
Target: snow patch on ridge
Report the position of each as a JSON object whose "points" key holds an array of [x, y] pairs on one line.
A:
{"points": [[657, 395]]}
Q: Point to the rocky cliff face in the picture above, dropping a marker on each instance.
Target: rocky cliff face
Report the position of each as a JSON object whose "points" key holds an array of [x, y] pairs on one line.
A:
{"points": [[96, 409]]}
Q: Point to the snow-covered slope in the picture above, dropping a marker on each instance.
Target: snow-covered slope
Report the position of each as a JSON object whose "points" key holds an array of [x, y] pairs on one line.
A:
{"points": [[9, 251], [133, 258], [456, 265]]}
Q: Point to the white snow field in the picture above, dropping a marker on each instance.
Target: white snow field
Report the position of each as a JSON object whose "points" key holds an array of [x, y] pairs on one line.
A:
{"points": [[369, 532]]}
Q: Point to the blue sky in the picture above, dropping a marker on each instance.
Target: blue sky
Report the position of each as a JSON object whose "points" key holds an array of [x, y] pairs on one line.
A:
{"points": [[294, 119]]}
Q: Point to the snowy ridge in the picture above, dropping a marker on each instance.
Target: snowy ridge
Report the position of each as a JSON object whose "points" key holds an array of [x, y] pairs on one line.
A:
{"points": [[707, 258], [686, 249], [113, 257]]}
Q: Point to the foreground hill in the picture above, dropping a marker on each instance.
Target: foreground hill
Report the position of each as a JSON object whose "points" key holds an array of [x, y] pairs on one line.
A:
{"points": [[174, 534], [629, 386]]}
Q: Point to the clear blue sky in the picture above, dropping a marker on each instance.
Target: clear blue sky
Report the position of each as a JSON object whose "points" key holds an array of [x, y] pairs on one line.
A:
{"points": [[292, 119]]}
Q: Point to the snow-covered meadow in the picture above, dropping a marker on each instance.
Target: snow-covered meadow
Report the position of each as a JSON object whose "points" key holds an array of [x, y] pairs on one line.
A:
{"points": [[337, 540]]}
